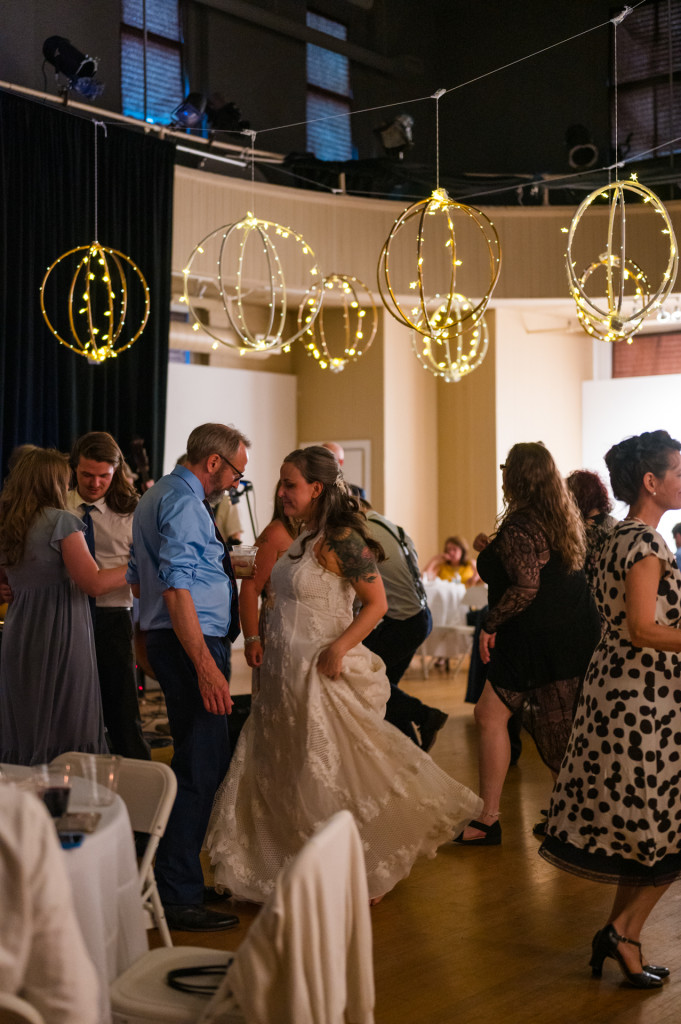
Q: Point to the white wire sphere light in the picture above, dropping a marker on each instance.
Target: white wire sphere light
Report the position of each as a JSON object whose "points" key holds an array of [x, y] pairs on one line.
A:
{"points": [[245, 261], [453, 353], [335, 342], [443, 234], [604, 289]]}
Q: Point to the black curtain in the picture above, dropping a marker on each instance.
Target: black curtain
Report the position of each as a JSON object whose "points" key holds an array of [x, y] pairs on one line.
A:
{"points": [[48, 394]]}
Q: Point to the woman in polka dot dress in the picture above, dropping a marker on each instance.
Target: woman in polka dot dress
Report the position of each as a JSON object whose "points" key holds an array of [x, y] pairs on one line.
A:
{"points": [[615, 813]]}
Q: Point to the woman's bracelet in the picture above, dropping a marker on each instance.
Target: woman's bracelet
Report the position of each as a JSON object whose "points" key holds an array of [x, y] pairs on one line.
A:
{"points": [[252, 639]]}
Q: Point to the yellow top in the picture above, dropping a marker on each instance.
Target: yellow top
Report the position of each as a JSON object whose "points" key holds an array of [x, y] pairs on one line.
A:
{"points": [[449, 572]]}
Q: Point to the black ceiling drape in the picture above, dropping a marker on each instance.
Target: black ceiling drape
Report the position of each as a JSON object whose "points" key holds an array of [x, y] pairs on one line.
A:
{"points": [[48, 394]]}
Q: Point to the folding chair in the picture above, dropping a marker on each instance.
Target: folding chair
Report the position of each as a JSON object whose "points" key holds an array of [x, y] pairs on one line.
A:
{"points": [[279, 973], [148, 790]]}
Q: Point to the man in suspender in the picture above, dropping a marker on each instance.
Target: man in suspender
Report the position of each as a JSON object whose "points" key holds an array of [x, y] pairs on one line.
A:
{"points": [[402, 631]]}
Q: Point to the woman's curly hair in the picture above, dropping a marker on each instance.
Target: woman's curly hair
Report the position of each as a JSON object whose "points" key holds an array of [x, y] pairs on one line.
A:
{"points": [[38, 479], [630, 460], [533, 485]]}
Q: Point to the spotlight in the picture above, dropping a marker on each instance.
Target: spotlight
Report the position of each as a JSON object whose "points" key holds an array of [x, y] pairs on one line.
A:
{"points": [[189, 114], [582, 153], [224, 117], [396, 136], [74, 65]]}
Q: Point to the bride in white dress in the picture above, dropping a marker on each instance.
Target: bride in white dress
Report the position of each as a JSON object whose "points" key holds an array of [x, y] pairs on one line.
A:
{"points": [[316, 740]]}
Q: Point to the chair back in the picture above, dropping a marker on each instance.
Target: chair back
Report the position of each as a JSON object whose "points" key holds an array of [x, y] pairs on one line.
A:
{"points": [[307, 957], [15, 1010]]}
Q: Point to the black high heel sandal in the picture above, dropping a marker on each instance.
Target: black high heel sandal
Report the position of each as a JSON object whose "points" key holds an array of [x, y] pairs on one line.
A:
{"points": [[605, 944], [492, 836]]}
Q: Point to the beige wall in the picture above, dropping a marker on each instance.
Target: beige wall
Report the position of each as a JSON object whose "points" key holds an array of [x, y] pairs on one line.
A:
{"points": [[347, 405], [410, 469], [538, 388], [466, 432]]}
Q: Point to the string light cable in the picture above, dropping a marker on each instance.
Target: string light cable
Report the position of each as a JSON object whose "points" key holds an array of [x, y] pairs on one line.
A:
{"points": [[98, 292]]}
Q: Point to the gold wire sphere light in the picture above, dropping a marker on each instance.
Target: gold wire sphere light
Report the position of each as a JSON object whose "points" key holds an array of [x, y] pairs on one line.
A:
{"points": [[455, 353], [425, 314], [98, 301], [607, 318], [238, 271], [356, 328]]}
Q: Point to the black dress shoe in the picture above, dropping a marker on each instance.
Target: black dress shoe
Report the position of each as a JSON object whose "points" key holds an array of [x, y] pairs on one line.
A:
{"points": [[605, 943], [194, 917], [211, 895], [435, 719]]}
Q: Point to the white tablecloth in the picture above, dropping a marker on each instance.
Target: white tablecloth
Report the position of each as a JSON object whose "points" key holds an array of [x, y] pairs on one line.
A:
{"points": [[446, 607], [106, 892]]}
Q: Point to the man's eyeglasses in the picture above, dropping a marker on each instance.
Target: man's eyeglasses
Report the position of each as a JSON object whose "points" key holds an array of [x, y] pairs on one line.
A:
{"points": [[237, 475]]}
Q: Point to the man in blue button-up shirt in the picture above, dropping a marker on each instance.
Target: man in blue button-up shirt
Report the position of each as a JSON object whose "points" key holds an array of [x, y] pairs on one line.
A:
{"points": [[176, 568]]}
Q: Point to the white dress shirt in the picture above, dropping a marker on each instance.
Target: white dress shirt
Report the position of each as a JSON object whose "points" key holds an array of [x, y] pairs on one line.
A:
{"points": [[113, 537]]}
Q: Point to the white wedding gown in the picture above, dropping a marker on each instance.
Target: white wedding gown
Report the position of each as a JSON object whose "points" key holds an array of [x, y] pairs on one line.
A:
{"points": [[313, 745]]}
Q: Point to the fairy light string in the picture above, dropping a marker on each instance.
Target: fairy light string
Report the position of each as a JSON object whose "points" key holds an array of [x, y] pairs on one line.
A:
{"points": [[98, 293], [624, 278]]}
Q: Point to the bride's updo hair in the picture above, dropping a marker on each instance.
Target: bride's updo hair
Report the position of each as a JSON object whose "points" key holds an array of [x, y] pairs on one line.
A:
{"points": [[336, 510], [630, 460]]}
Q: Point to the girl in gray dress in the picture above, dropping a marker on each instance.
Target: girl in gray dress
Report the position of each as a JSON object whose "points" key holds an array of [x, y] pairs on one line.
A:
{"points": [[49, 690]]}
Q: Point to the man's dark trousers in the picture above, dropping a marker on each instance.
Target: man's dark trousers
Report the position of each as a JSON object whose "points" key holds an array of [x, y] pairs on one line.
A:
{"points": [[396, 641], [200, 762], [117, 682]]}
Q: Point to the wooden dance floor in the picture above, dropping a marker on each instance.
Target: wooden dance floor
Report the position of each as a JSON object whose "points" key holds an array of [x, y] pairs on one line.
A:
{"points": [[494, 934]]}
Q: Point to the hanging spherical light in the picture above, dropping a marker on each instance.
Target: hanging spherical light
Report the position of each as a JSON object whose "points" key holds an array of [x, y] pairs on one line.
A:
{"points": [[98, 300], [239, 271], [455, 348], [441, 256], [606, 318], [348, 336]]}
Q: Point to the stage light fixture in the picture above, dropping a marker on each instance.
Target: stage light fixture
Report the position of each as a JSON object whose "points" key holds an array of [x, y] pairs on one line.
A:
{"points": [[396, 136], [76, 67], [189, 113], [582, 153]]}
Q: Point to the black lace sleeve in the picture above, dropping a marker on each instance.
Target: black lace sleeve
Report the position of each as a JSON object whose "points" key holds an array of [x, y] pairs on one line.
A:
{"points": [[524, 551]]}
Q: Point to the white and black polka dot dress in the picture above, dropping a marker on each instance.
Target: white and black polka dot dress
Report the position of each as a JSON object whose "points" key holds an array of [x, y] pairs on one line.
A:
{"points": [[616, 807]]}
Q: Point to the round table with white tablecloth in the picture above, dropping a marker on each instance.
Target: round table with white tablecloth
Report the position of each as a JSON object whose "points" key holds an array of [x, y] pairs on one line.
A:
{"points": [[445, 601]]}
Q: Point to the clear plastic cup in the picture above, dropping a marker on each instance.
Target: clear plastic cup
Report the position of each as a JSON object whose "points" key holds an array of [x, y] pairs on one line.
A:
{"points": [[243, 560], [100, 772]]}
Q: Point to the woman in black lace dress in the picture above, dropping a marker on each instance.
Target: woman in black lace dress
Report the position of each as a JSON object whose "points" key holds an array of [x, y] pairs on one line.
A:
{"points": [[541, 629]]}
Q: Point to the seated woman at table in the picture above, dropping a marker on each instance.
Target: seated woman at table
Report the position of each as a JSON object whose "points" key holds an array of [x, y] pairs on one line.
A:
{"points": [[43, 958], [541, 629], [453, 564], [49, 689]]}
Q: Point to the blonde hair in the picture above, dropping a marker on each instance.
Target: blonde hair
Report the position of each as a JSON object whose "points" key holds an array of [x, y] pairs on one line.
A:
{"points": [[532, 484], [39, 479]]}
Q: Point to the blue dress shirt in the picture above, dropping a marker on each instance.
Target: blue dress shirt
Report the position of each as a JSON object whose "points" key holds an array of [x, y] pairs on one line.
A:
{"points": [[174, 546]]}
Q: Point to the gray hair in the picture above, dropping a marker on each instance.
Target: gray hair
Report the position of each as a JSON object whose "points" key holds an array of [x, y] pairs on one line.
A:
{"points": [[216, 438]]}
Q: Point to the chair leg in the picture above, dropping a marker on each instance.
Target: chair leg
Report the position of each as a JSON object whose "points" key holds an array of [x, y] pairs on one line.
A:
{"points": [[159, 915]]}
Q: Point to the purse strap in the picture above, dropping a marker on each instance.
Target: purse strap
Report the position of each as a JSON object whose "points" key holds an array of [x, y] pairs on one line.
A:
{"points": [[401, 539], [181, 978]]}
